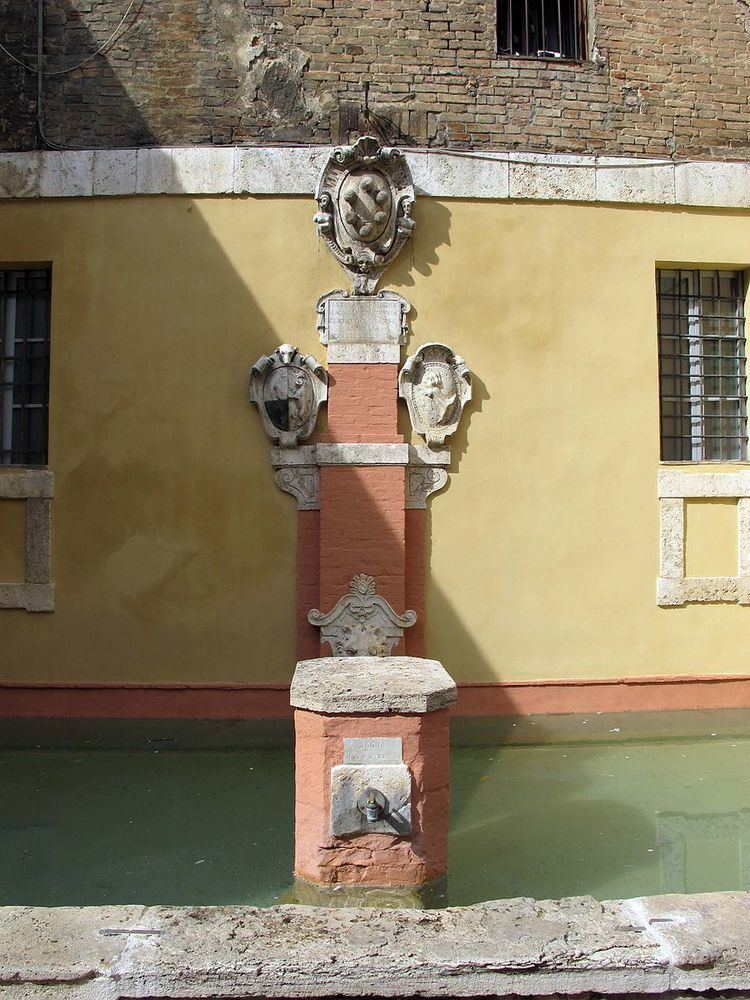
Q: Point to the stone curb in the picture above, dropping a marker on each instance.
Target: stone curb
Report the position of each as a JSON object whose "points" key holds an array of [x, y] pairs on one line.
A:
{"points": [[284, 170], [504, 948]]}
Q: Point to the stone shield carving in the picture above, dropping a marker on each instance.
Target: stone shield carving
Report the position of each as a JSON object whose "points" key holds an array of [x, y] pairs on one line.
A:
{"points": [[288, 388], [365, 197], [362, 623], [436, 384]]}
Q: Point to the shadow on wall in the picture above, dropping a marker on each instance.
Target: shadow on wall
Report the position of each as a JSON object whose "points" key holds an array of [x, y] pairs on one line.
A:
{"points": [[209, 370], [166, 604], [208, 73]]}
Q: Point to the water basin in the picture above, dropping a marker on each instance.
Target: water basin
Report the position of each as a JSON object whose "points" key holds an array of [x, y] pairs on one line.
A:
{"points": [[106, 811]]}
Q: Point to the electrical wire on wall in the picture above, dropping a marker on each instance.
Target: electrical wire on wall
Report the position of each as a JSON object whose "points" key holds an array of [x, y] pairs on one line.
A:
{"points": [[509, 157], [41, 72]]}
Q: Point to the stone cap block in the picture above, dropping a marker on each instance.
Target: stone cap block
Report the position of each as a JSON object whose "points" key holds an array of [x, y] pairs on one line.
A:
{"points": [[373, 685]]}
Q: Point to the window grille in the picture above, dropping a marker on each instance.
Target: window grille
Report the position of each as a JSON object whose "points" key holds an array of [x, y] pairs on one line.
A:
{"points": [[542, 29], [703, 389], [24, 365]]}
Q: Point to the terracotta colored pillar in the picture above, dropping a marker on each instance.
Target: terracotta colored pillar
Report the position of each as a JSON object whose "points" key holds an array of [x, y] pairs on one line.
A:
{"points": [[349, 715]]}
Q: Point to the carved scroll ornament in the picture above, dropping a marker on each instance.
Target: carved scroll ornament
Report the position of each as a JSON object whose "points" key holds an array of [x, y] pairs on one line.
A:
{"points": [[365, 198], [288, 388], [436, 384], [362, 623]]}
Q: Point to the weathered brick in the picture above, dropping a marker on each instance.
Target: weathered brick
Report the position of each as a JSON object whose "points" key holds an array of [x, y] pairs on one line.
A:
{"points": [[670, 78]]}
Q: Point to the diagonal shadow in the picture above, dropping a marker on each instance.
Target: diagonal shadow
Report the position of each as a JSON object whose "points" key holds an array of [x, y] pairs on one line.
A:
{"points": [[171, 302]]}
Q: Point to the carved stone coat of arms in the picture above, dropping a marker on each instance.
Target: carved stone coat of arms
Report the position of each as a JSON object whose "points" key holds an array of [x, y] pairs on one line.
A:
{"points": [[288, 388], [365, 197], [436, 384]]}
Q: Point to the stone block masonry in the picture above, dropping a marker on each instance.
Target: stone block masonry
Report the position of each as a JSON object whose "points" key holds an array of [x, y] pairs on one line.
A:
{"points": [[662, 946], [661, 77]]}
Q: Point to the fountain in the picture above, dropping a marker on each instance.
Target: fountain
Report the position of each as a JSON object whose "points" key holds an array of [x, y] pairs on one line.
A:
{"points": [[371, 712]]}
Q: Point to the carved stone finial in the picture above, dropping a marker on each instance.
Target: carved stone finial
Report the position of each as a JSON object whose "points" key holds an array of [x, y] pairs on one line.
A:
{"points": [[362, 623], [436, 384], [365, 197], [288, 388]]}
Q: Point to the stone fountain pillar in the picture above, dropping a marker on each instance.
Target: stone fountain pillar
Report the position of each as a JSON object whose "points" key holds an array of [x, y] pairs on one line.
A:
{"points": [[377, 723], [371, 719]]}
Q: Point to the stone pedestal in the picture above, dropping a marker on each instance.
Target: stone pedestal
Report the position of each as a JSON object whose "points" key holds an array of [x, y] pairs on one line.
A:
{"points": [[379, 725]]}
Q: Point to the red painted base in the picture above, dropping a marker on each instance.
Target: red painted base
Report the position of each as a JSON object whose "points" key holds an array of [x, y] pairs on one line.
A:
{"points": [[371, 859], [259, 701]]}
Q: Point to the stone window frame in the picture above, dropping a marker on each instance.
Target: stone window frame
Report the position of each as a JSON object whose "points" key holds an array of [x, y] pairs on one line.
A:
{"points": [[36, 487], [674, 588]]}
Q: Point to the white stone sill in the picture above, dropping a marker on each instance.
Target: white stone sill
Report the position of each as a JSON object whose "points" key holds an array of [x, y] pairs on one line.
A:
{"points": [[26, 482], [287, 170], [503, 948]]}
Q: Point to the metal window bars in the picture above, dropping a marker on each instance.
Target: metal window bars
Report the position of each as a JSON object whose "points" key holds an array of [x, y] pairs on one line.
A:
{"points": [[702, 365], [541, 29], [24, 365]]}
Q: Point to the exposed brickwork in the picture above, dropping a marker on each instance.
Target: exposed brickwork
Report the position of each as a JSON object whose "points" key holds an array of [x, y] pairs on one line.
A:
{"points": [[17, 87], [308, 581], [371, 859], [362, 530], [416, 569], [363, 403], [666, 76]]}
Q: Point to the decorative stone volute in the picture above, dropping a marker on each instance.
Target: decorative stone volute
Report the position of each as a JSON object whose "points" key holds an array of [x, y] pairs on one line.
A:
{"points": [[436, 384], [362, 623], [365, 197], [288, 388]]}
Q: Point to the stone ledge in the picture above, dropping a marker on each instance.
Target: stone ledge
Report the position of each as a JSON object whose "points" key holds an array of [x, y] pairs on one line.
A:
{"points": [[26, 484], [350, 685], [285, 170], [362, 454], [506, 948], [359, 453], [27, 596], [676, 483]]}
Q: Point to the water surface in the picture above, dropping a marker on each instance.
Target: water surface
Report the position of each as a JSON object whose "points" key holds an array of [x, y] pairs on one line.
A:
{"points": [[611, 806]]}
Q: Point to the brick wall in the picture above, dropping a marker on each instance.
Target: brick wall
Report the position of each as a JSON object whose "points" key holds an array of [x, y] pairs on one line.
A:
{"points": [[666, 77]]}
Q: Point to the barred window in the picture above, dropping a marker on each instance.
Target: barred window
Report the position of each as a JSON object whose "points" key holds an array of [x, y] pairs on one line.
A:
{"points": [[541, 29], [24, 365], [703, 390]]}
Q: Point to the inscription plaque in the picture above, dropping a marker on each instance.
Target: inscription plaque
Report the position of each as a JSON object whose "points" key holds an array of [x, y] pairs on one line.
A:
{"points": [[373, 750]]}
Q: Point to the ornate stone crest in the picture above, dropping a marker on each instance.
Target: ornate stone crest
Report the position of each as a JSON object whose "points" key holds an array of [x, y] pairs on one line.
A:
{"points": [[288, 388], [365, 197], [362, 623], [436, 384]]}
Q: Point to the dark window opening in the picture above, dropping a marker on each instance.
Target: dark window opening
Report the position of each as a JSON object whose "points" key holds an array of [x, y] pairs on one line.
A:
{"points": [[702, 352], [24, 366], [541, 29]]}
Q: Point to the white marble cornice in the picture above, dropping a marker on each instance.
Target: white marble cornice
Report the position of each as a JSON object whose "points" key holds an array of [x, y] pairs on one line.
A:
{"points": [[286, 170]]}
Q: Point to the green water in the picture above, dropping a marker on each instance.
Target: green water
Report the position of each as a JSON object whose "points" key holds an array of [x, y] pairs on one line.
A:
{"points": [[638, 808]]}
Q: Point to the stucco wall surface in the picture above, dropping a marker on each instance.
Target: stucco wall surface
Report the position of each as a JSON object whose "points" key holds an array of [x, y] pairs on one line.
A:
{"points": [[174, 551]]}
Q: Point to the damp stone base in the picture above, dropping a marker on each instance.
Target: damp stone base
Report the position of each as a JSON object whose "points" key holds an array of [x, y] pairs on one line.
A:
{"points": [[371, 723], [663, 946]]}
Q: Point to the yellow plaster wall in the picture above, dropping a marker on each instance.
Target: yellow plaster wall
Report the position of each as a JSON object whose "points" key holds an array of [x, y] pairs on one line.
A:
{"points": [[711, 537], [12, 543], [174, 552]]}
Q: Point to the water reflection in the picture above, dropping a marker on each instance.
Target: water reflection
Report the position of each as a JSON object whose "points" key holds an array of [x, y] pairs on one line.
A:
{"points": [[612, 819], [704, 852], [613, 815]]}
